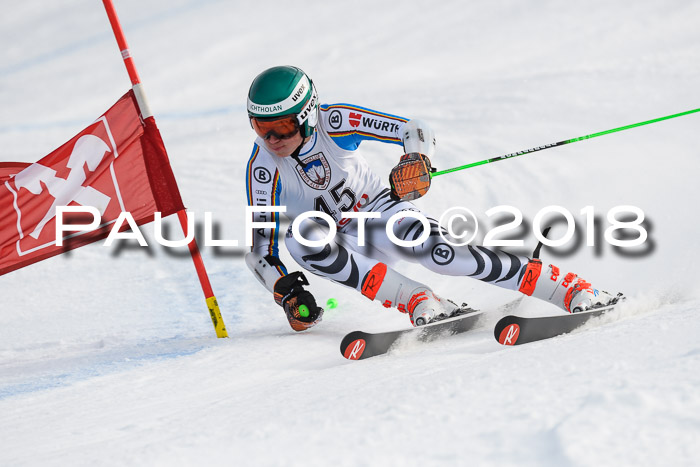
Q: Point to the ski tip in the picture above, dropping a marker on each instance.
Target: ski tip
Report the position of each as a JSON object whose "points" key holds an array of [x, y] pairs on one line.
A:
{"points": [[354, 345], [507, 330], [354, 349], [509, 334]]}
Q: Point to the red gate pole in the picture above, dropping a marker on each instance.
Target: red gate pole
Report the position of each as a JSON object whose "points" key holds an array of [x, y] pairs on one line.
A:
{"points": [[146, 114]]}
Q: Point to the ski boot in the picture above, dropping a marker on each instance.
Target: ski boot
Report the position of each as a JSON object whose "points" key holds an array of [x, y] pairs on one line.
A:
{"points": [[425, 307], [567, 291], [408, 296], [584, 298]]}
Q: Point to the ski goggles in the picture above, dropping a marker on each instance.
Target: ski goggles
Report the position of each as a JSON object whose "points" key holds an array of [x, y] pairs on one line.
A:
{"points": [[281, 127]]}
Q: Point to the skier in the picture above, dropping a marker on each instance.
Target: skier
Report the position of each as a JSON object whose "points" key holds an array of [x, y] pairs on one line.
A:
{"points": [[306, 158]]}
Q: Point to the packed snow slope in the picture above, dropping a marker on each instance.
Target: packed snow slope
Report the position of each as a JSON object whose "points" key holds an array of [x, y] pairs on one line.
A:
{"points": [[108, 355]]}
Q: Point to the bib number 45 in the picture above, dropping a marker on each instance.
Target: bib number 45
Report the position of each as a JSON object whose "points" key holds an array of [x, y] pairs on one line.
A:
{"points": [[343, 199]]}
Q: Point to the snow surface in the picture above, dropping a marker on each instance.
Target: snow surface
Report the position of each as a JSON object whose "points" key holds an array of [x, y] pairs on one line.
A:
{"points": [[108, 356]]}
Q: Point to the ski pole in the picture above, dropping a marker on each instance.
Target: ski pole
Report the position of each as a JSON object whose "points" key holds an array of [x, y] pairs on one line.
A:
{"points": [[560, 143]]}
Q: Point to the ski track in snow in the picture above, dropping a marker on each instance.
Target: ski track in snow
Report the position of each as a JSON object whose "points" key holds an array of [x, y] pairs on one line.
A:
{"points": [[108, 356]]}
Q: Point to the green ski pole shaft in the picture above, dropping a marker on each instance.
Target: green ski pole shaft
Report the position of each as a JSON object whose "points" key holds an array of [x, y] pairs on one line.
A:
{"points": [[560, 143]]}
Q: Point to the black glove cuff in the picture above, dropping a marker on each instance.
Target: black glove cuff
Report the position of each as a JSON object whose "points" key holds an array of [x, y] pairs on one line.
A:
{"points": [[289, 285]]}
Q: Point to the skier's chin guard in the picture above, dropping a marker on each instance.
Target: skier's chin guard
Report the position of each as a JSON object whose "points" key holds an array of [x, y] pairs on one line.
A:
{"points": [[410, 179]]}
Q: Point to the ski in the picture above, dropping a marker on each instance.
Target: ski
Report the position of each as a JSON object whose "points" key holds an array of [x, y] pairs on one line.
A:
{"points": [[516, 330], [359, 345]]}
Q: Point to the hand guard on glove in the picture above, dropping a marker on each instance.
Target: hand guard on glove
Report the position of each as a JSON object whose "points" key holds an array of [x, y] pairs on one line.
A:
{"points": [[299, 305], [410, 178]]}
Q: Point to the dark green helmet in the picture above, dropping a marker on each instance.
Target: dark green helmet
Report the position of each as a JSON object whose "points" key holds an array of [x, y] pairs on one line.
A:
{"points": [[284, 90]]}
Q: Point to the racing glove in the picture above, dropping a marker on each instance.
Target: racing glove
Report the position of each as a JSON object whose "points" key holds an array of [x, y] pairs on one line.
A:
{"points": [[410, 178], [298, 304]]}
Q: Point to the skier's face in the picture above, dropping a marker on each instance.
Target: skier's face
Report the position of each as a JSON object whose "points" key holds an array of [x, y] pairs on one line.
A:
{"points": [[283, 147]]}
